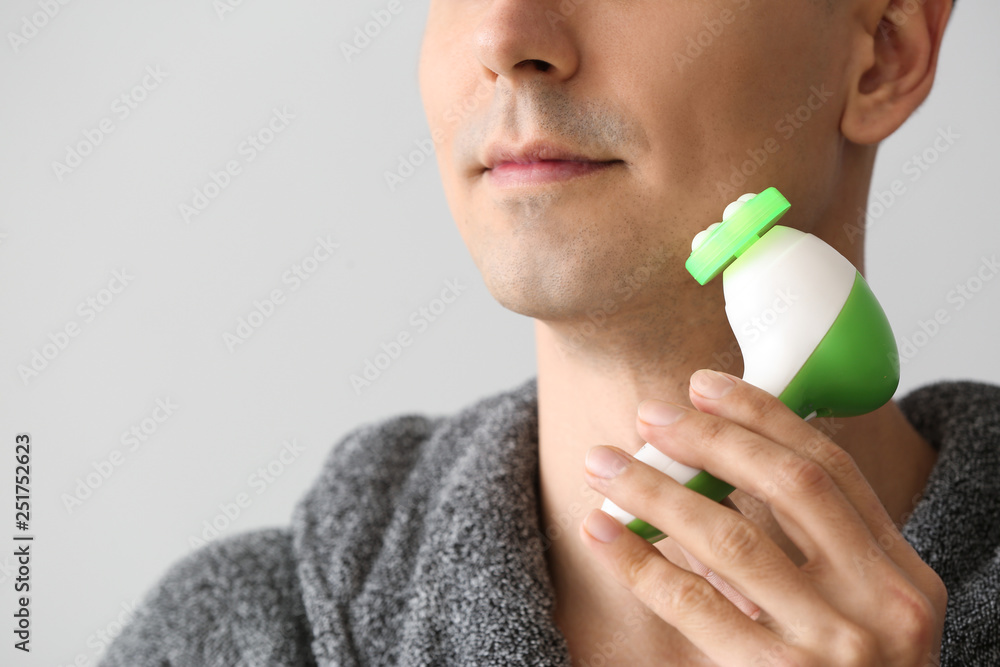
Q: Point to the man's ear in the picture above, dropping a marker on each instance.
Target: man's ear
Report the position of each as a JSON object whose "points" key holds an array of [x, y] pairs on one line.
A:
{"points": [[893, 67]]}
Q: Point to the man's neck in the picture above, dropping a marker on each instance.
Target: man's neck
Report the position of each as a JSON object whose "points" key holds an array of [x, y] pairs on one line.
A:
{"points": [[588, 393]]}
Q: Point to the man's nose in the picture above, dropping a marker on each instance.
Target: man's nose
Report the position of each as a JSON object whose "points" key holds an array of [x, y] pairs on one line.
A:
{"points": [[518, 39]]}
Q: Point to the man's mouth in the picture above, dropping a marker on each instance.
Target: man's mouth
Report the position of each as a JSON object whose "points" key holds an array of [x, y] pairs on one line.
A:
{"points": [[515, 174], [539, 163]]}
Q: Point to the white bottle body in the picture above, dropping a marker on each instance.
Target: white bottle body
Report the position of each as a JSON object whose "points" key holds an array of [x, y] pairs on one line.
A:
{"points": [[782, 296]]}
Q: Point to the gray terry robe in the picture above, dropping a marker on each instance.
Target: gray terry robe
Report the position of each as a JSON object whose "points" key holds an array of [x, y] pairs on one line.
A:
{"points": [[419, 544]]}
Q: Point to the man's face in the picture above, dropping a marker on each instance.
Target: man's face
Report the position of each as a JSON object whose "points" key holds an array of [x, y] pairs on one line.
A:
{"points": [[677, 108]]}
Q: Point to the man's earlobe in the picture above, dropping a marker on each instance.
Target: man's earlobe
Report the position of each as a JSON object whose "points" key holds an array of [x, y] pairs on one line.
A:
{"points": [[894, 68]]}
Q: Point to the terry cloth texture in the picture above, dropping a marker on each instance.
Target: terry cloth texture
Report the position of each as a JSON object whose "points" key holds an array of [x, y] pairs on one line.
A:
{"points": [[419, 544]]}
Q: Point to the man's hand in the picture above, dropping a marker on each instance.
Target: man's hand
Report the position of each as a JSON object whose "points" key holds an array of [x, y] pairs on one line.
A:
{"points": [[862, 597]]}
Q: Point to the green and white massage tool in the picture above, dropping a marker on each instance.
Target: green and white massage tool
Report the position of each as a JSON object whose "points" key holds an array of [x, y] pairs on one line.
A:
{"points": [[810, 329]]}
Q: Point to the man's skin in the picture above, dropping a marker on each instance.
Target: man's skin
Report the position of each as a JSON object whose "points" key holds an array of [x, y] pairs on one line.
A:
{"points": [[819, 553]]}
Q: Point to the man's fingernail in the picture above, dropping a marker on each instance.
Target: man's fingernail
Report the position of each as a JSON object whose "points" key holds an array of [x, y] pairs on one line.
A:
{"points": [[601, 526], [604, 462], [659, 413], [711, 384]]}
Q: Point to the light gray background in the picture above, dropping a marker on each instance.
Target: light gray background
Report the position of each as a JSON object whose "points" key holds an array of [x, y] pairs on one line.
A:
{"points": [[161, 337]]}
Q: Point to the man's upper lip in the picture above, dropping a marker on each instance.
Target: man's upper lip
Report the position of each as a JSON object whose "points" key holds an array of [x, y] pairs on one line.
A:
{"points": [[499, 153]]}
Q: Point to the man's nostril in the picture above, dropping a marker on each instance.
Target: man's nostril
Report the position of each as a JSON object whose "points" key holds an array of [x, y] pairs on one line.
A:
{"points": [[540, 65]]}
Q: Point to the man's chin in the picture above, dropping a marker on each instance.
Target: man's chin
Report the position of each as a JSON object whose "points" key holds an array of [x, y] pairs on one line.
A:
{"points": [[546, 300], [529, 299]]}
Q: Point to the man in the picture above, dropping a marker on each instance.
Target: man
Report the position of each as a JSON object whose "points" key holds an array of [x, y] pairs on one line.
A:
{"points": [[604, 136]]}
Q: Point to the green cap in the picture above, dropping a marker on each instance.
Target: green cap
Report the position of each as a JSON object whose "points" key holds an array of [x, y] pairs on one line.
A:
{"points": [[731, 239]]}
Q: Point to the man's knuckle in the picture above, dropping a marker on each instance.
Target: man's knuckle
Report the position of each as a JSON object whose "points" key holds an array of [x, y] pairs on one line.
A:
{"points": [[764, 405], [914, 619], [642, 495], [802, 476], [690, 594], [838, 461], [713, 430], [931, 585], [937, 592], [789, 658], [636, 568], [735, 540], [855, 645]]}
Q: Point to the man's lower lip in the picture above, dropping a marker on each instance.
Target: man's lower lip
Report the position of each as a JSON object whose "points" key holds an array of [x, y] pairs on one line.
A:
{"points": [[512, 174]]}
